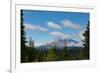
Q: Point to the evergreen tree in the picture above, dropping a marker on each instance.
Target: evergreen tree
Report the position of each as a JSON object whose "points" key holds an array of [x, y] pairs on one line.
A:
{"points": [[86, 34], [32, 52], [51, 55], [23, 40], [31, 42], [65, 53]]}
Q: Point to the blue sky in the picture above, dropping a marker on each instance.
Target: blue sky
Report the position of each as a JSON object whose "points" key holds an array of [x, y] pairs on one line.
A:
{"points": [[44, 26]]}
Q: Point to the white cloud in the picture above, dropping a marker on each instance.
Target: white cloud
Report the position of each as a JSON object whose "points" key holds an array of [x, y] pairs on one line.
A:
{"points": [[59, 34], [56, 33], [53, 25], [35, 27], [29, 27], [67, 36], [39, 28], [75, 44], [70, 24], [38, 44], [81, 34]]}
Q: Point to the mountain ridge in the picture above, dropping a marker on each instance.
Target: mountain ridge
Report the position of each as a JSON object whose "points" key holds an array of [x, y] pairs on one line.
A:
{"points": [[60, 43]]}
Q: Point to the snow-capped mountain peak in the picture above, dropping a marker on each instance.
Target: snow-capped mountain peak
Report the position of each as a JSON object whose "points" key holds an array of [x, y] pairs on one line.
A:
{"points": [[61, 43]]}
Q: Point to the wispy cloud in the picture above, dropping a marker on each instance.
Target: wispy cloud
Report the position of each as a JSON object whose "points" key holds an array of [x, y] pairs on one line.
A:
{"points": [[67, 36], [29, 27], [38, 44], [59, 34], [56, 33], [53, 25], [35, 28], [81, 34], [70, 24]]}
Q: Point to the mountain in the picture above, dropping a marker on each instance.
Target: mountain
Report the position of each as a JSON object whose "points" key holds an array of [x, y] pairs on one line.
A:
{"points": [[60, 43]]}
